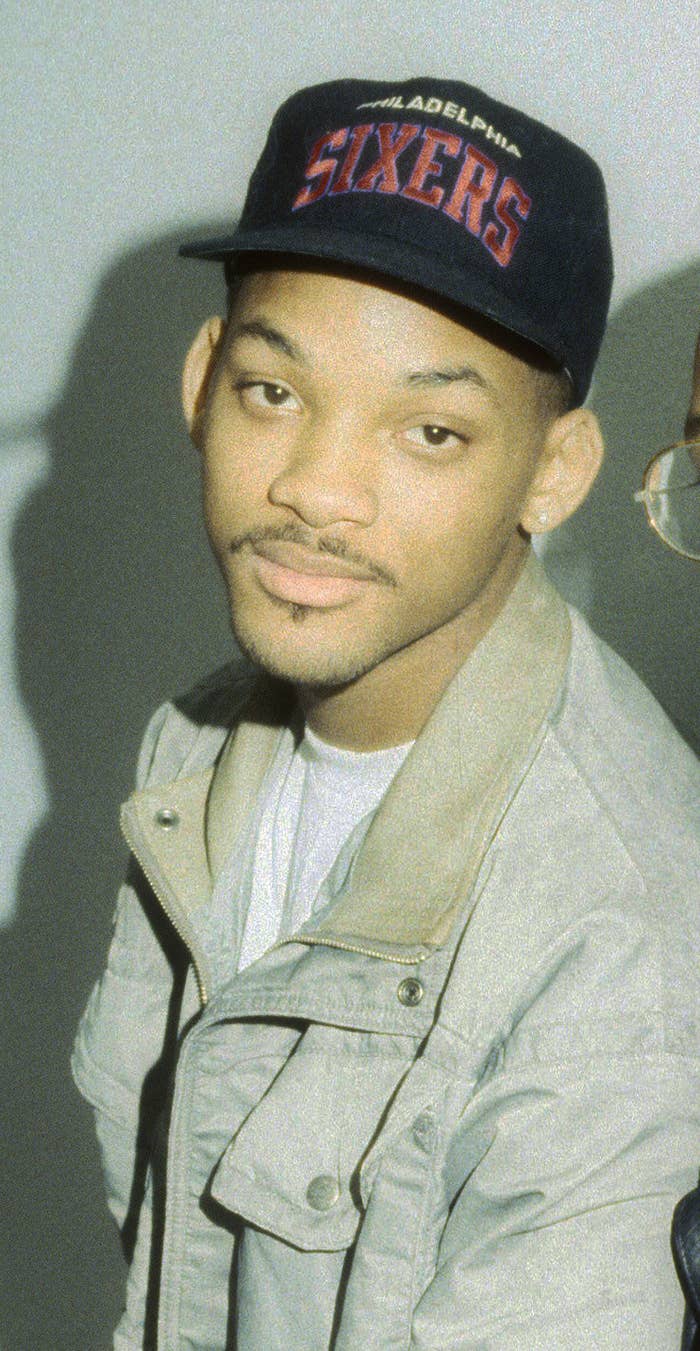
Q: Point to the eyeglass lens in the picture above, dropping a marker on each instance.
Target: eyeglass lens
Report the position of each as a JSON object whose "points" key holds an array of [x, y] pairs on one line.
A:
{"points": [[672, 497]]}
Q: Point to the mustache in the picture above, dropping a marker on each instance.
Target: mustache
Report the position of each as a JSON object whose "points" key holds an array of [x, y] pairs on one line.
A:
{"points": [[335, 546]]}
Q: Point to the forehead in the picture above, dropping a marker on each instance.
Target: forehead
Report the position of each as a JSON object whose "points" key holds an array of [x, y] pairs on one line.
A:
{"points": [[340, 310]]}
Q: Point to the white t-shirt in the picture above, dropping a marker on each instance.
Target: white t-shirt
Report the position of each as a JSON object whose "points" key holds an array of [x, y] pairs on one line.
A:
{"points": [[312, 799]]}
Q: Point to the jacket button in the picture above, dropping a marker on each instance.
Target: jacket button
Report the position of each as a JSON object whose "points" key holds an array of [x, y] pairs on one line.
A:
{"points": [[323, 1192], [167, 819], [410, 992]]}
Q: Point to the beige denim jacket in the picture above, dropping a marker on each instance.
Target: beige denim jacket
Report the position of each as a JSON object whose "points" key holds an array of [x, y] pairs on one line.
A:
{"points": [[457, 1108]]}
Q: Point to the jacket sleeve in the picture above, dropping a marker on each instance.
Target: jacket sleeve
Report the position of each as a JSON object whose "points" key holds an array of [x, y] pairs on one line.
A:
{"points": [[119, 1054], [564, 1177]]}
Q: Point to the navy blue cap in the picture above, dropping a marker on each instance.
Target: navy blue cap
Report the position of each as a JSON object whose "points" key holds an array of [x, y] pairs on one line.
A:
{"points": [[432, 183]]}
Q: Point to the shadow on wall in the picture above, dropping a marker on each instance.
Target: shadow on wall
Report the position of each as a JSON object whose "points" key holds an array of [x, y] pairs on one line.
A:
{"points": [[118, 604], [637, 594]]}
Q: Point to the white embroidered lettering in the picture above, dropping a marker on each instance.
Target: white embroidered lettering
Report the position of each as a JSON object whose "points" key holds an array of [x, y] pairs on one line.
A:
{"points": [[431, 104]]}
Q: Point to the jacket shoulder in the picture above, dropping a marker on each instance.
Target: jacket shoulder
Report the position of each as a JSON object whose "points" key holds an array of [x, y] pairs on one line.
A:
{"points": [[627, 754]]}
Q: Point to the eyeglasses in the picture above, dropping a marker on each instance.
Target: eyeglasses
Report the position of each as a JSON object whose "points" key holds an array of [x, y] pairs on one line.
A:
{"points": [[671, 497]]}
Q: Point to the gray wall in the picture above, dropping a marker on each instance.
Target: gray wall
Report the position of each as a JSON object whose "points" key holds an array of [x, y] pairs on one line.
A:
{"points": [[125, 129]]}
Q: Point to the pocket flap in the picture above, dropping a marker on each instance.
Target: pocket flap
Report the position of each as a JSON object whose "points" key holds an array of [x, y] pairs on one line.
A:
{"points": [[292, 1169], [283, 1172]]}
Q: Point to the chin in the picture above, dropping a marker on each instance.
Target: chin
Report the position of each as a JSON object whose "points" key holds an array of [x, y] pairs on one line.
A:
{"points": [[295, 652]]}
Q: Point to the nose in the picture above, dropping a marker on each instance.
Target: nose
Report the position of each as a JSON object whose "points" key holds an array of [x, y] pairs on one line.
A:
{"points": [[326, 479]]}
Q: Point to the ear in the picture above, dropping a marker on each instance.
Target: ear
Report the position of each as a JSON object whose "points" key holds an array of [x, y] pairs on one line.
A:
{"points": [[200, 363], [567, 468]]}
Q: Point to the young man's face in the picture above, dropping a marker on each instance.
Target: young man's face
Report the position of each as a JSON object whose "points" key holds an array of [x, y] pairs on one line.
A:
{"points": [[367, 462]]}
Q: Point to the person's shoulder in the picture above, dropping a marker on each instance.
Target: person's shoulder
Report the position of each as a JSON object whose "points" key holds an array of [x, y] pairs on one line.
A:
{"points": [[609, 704], [627, 754], [601, 850]]}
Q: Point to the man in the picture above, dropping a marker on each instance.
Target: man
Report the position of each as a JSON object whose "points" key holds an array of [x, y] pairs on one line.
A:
{"points": [[407, 965]]}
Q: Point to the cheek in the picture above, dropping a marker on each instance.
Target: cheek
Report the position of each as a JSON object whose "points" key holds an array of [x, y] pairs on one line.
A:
{"points": [[487, 501], [436, 513], [233, 480], [450, 535]]}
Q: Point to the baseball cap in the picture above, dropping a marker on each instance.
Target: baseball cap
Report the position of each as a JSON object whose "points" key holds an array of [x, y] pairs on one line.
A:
{"points": [[432, 183]]}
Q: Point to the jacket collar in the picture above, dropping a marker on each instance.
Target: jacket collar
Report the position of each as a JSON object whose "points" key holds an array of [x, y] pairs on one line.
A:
{"points": [[417, 865], [425, 845]]}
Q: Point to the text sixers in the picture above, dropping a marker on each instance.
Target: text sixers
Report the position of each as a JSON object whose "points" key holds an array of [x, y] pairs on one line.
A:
{"points": [[375, 160]]}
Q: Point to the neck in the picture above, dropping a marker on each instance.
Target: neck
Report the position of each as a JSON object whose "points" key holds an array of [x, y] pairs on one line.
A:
{"points": [[391, 703]]}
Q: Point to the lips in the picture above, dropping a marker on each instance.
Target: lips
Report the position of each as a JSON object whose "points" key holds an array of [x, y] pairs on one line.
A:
{"points": [[291, 572]]}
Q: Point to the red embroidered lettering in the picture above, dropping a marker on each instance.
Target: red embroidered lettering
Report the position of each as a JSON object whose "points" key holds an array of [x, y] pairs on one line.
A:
{"points": [[510, 195], [426, 166], [343, 182], [475, 185], [321, 169], [391, 143]]}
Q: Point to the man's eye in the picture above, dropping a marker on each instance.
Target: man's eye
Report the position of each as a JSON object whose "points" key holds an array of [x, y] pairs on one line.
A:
{"points": [[432, 436], [266, 394]]}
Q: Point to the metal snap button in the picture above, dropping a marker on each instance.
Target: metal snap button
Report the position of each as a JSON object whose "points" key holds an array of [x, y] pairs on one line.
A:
{"points": [[410, 992], [323, 1192], [167, 819]]}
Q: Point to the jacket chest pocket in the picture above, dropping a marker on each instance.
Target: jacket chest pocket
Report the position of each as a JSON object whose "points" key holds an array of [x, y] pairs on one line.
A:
{"points": [[292, 1169]]}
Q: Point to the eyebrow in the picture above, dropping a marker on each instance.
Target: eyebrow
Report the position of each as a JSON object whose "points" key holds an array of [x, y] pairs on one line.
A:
{"points": [[257, 328], [449, 376]]}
